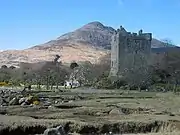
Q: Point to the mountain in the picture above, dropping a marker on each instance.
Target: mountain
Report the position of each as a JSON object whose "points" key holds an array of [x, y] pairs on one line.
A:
{"points": [[159, 44], [88, 43], [94, 34]]}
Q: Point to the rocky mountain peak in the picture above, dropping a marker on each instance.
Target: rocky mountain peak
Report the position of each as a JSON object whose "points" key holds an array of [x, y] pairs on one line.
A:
{"points": [[93, 33], [94, 24]]}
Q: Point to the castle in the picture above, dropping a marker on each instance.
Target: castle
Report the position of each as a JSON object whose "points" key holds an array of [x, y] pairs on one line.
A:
{"points": [[130, 55]]}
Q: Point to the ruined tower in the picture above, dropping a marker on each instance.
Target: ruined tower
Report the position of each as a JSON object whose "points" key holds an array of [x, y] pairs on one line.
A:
{"points": [[130, 55]]}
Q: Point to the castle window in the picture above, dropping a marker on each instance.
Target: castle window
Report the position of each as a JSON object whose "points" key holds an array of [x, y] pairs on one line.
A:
{"points": [[112, 63]]}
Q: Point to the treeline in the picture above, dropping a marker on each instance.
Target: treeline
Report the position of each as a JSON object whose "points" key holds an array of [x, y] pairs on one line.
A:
{"points": [[54, 73], [97, 75]]}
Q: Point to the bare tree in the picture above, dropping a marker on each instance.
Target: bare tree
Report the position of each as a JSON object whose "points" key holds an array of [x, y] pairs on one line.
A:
{"points": [[57, 57], [171, 65], [57, 70]]}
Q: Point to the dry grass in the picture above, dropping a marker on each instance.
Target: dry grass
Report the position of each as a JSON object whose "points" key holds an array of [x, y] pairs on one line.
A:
{"points": [[154, 111]]}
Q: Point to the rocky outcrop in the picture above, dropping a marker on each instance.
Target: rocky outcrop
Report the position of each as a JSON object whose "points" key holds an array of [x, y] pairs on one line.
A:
{"points": [[55, 131]]}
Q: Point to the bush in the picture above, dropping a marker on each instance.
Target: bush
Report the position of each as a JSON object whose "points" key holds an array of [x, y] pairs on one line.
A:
{"points": [[166, 87], [4, 84], [104, 83], [119, 83]]}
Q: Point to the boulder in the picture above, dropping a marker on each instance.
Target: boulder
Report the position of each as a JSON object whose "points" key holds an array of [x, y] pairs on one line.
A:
{"points": [[1, 101], [22, 100], [55, 131], [24, 104], [116, 111], [14, 101]]}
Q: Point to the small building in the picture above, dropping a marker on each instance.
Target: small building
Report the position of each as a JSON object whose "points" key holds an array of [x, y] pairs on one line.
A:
{"points": [[73, 84]]}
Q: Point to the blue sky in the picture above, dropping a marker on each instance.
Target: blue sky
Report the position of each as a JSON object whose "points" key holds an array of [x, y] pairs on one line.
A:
{"points": [[25, 23]]}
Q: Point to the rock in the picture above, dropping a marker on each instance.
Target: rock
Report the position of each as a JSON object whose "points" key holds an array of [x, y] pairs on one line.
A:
{"points": [[51, 107], [1, 101], [3, 111], [29, 100], [98, 113], [56, 102], [55, 131], [14, 101], [21, 100], [70, 101], [5, 104], [23, 104], [32, 100], [7, 99], [47, 103], [116, 111], [65, 101], [42, 99]]}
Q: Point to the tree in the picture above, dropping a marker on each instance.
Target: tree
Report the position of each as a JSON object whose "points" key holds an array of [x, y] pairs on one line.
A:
{"points": [[73, 65], [12, 67], [168, 42], [4, 67], [57, 64], [56, 58], [172, 63], [79, 74], [4, 74]]}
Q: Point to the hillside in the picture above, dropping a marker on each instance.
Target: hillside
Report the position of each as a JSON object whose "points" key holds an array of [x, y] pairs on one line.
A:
{"points": [[88, 43]]}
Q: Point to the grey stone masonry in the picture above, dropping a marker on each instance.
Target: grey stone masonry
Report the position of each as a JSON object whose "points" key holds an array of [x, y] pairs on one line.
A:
{"points": [[130, 54]]}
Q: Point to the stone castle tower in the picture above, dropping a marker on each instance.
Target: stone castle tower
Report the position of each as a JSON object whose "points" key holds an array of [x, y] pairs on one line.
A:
{"points": [[130, 55]]}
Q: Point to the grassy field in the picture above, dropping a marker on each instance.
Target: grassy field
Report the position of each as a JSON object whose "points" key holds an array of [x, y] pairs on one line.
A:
{"points": [[87, 110]]}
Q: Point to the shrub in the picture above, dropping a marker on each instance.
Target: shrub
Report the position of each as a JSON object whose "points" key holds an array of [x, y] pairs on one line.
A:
{"points": [[119, 83], [162, 86], [104, 83], [4, 84]]}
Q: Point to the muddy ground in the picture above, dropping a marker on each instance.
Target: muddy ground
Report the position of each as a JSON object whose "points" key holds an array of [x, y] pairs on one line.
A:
{"points": [[91, 111]]}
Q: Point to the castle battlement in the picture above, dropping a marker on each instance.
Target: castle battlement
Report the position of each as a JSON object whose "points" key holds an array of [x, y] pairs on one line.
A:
{"points": [[140, 34]]}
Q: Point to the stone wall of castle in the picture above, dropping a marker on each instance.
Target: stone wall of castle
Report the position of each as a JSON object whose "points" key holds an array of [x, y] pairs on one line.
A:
{"points": [[130, 56]]}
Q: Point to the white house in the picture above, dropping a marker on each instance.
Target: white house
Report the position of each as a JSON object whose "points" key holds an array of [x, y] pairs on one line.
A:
{"points": [[74, 83]]}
